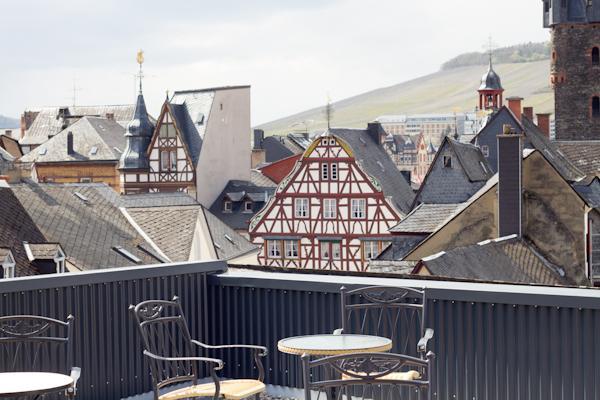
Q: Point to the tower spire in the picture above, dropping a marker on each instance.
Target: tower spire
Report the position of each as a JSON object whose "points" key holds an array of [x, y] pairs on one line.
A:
{"points": [[140, 61]]}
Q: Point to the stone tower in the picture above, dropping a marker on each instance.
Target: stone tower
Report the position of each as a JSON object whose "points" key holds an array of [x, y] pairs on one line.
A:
{"points": [[575, 66]]}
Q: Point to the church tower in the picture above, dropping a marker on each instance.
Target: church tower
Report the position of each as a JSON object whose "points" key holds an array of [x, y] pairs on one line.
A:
{"points": [[490, 90], [134, 164], [575, 66]]}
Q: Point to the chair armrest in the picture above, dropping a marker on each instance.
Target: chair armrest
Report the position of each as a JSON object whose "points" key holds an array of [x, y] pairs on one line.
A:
{"points": [[263, 351], [422, 345], [75, 374], [338, 331], [219, 363]]}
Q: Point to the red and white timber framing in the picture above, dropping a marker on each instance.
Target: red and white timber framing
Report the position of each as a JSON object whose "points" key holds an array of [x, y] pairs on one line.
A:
{"points": [[346, 220]]}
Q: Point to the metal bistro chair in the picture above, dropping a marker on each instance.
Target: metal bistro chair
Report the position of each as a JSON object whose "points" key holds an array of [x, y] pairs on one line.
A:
{"points": [[367, 376], [172, 355], [397, 313], [32, 343]]}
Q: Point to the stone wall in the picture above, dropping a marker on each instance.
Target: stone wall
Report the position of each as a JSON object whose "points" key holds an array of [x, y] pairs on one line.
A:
{"points": [[575, 80]]}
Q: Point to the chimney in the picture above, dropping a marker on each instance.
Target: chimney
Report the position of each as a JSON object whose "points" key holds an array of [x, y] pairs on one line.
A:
{"points": [[376, 132], [110, 116], [528, 112], [514, 103], [510, 159], [543, 122], [70, 143], [259, 136]]}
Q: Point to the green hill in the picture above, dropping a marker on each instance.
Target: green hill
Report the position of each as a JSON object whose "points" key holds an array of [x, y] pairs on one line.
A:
{"points": [[444, 91]]}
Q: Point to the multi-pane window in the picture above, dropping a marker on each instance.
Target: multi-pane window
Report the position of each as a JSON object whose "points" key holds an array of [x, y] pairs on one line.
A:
{"points": [[370, 249], [168, 160], [334, 172], [358, 208], [274, 248], [329, 208], [336, 250], [301, 208], [247, 206], [167, 130], [325, 250], [324, 171], [173, 159], [227, 206], [291, 249]]}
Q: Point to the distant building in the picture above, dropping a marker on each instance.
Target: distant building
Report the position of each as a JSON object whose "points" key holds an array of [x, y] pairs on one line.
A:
{"points": [[575, 67], [270, 149], [333, 211]]}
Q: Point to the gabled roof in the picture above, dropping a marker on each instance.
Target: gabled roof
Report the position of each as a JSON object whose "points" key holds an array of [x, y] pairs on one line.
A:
{"points": [[94, 139], [258, 179], [375, 161], [399, 247], [43, 251], [454, 185], [237, 192], [425, 218], [86, 222], [48, 121], [227, 242], [275, 148], [190, 131], [11, 146], [509, 259]]}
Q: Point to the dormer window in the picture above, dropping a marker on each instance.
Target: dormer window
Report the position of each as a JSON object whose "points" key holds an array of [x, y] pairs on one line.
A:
{"points": [[247, 206], [8, 264], [227, 206], [447, 162]]}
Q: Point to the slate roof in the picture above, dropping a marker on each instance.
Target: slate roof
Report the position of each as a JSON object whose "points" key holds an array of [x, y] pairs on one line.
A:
{"points": [[426, 218], [470, 170], [584, 154], [509, 259], [375, 161], [48, 122], [228, 243], [399, 247], [258, 179], [237, 191], [43, 251], [275, 148], [86, 222], [16, 227], [94, 139], [590, 191], [171, 228], [160, 199]]}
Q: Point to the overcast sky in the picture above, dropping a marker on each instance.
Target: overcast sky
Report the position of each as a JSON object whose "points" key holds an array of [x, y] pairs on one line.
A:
{"points": [[293, 52]]}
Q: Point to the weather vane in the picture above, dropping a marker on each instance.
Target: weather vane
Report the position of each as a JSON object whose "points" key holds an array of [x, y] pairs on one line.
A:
{"points": [[140, 61]]}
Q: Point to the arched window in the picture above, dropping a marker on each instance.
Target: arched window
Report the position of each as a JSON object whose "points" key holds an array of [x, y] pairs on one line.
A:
{"points": [[595, 56], [595, 106]]}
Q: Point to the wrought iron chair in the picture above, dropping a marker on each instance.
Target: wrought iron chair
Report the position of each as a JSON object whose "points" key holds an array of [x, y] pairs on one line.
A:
{"points": [[384, 376], [32, 343], [394, 312], [172, 354]]}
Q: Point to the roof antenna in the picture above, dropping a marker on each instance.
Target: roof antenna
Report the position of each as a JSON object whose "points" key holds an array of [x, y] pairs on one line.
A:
{"points": [[140, 61], [328, 113]]}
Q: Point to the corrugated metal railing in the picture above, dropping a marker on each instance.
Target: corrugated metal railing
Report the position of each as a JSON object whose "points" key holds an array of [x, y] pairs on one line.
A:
{"points": [[106, 344], [493, 342]]}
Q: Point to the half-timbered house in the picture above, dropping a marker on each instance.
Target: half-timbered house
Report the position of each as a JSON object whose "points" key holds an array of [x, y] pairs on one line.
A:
{"points": [[329, 212]]}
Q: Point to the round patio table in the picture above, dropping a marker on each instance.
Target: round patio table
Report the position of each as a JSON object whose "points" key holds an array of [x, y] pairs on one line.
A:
{"points": [[331, 345], [14, 384]]}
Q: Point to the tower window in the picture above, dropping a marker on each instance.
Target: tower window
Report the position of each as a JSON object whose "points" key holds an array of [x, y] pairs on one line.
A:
{"points": [[595, 106], [595, 56]]}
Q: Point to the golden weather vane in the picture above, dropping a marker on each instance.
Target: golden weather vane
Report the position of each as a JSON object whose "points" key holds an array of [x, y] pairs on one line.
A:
{"points": [[140, 61]]}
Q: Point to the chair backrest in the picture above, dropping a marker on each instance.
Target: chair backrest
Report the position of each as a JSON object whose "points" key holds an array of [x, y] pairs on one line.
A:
{"points": [[367, 376], [35, 343], [165, 333], [397, 313]]}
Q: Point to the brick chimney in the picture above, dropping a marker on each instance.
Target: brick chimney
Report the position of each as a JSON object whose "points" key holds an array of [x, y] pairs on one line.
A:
{"points": [[510, 159], [70, 149], [543, 122], [376, 132], [110, 116], [528, 112], [514, 103], [258, 152]]}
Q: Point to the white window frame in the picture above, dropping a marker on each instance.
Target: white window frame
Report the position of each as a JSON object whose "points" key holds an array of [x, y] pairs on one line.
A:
{"points": [[291, 249], [324, 171], [227, 206], [246, 209], [85, 180], [334, 171], [336, 250], [164, 160], [358, 208], [301, 207], [372, 247], [274, 249], [8, 270], [329, 208]]}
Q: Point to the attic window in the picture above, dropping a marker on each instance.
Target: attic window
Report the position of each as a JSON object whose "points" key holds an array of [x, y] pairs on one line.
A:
{"points": [[42, 151], [93, 151], [447, 162], [229, 238], [127, 254], [227, 206], [247, 206], [81, 197], [9, 267]]}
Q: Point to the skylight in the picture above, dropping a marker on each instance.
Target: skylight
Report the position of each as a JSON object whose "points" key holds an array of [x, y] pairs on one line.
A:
{"points": [[127, 254], [93, 150], [229, 238], [81, 197], [42, 151], [218, 246]]}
